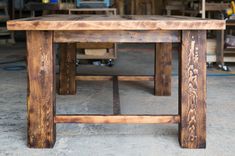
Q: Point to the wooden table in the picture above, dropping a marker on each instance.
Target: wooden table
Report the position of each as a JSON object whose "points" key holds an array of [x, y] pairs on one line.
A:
{"points": [[42, 32]]}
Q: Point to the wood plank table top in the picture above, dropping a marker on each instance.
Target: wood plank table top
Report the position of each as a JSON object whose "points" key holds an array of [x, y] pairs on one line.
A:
{"points": [[109, 22]]}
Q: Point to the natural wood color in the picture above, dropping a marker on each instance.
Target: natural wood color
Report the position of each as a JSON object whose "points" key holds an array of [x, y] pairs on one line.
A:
{"points": [[94, 45], [41, 90], [100, 22], [118, 119], [192, 90], [135, 78], [109, 55], [117, 36], [95, 52], [68, 85], [109, 78], [163, 69]]}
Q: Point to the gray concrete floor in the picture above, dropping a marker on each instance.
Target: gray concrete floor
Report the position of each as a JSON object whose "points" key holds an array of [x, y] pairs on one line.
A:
{"points": [[96, 97]]}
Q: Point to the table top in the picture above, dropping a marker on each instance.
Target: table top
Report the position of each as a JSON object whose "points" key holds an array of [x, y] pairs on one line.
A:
{"points": [[110, 22]]}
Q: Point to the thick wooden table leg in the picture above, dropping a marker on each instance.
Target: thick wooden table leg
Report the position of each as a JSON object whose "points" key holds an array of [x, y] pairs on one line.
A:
{"points": [[163, 69], [41, 89], [192, 90], [68, 85]]}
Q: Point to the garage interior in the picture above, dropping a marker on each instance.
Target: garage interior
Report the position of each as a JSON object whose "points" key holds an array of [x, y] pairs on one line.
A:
{"points": [[95, 97]]}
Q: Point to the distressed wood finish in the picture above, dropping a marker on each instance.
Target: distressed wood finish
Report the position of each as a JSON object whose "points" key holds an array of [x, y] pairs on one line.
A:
{"points": [[163, 69], [68, 85], [192, 73], [41, 89], [104, 22], [118, 119], [117, 36], [192, 90]]}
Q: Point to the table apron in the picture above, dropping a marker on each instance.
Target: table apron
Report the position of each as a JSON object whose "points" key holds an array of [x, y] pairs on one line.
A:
{"points": [[129, 36]]}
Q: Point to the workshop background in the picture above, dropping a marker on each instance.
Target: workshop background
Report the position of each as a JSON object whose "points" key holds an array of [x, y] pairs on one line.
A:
{"points": [[135, 97]]}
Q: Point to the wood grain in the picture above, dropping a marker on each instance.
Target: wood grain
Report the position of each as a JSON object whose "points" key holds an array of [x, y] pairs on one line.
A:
{"points": [[163, 69], [192, 90], [104, 22], [117, 36], [41, 89], [118, 119], [68, 85]]}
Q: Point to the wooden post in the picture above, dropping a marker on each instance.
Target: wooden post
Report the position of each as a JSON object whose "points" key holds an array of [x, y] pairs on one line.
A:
{"points": [[121, 7], [163, 69], [68, 85], [41, 89], [220, 47], [192, 90]]}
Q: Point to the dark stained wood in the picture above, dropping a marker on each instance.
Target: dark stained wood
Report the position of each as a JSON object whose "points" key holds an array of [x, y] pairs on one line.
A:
{"points": [[154, 29], [192, 90], [220, 47], [116, 98], [41, 89], [163, 69], [117, 36], [118, 119], [143, 7], [68, 85], [105, 22], [120, 78]]}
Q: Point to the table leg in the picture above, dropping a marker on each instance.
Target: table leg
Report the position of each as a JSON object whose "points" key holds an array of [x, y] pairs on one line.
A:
{"points": [[192, 90], [220, 47], [68, 85], [163, 69], [41, 89]]}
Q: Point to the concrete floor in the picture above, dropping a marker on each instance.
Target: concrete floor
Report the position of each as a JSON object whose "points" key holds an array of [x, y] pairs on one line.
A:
{"points": [[96, 97]]}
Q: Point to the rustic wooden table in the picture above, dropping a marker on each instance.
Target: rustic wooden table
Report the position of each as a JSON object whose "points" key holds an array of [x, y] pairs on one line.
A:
{"points": [[42, 32]]}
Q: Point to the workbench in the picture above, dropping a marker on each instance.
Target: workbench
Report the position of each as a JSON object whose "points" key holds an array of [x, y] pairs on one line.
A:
{"points": [[42, 32]]}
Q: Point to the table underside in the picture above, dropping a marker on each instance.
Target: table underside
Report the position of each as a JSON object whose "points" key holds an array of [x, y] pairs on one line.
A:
{"points": [[42, 118]]}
